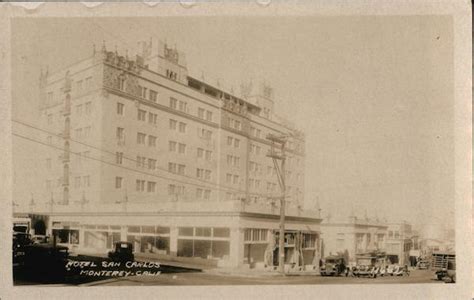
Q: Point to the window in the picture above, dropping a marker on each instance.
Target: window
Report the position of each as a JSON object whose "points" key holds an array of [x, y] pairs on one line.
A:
{"points": [[181, 169], [173, 124], [258, 133], [88, 107], [182, 148], [88, 83], [120, 134], [183, 106], [182, 127], [200, 152], [208, 155], [144, 89], [151, 186], [228, 178], [229, 140], [79, 86], [236, 179], [201, 113], [140, 185], [257, 183], [203, 174], [118, 182], [120, 107], [207, 194], [251, 182], [237, 125], [50, 97], [78, 132], [141, 138], [236, 143], [236, 161], [173, 103], [172, 146], [119, 158], [209, 116], [87, 131], [151, 164], [79, 109], [172, 167], [50, 119], [86, 181], [229, 160], [153, 95], [200, 173], [141, 115], [141, 161], [151, 141], [152, 118], [121, 83]]}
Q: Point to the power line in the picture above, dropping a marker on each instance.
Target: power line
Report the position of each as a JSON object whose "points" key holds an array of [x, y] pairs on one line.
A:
{"points": [[224, 189]]}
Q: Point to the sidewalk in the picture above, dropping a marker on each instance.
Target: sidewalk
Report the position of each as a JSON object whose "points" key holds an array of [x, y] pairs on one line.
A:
{"points": [[256, 273]]}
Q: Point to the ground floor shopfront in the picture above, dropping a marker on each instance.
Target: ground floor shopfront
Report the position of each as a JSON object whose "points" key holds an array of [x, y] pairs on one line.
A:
{"points": [[232, 239]]}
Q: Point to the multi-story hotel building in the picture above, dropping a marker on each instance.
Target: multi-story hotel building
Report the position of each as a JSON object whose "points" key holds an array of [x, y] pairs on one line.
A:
{"points": [[138, 150]]}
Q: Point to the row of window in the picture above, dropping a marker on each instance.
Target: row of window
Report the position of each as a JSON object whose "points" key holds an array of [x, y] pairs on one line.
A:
{"points": [[83, 132], [177, 147], [203, 174], [233, 160], [79, 181], [254, 183], [152, 94], [150, 187], [232, 178], [141, 139], [255, 149], [83, 181], [204, 114], [255, 167], [142, 116], [85, 108], [236, 124], [143, 162], [231, 141], [176, 168]]}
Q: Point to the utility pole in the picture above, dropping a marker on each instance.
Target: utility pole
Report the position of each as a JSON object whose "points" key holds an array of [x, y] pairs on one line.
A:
{"points": [[280, 171]]}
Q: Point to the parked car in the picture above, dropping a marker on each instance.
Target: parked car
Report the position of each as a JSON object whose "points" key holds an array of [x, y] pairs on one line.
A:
{"points": [[20, 241], [447, 274], [46, 261], [333, 266], [40, 239], [123, 252]]}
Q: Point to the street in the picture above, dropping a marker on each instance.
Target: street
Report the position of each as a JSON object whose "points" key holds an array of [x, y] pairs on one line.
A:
{"points": [[416, 276]]}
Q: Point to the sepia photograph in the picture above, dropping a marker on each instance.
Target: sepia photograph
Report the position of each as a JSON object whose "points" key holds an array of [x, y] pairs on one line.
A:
{"points": [[234, 150]]}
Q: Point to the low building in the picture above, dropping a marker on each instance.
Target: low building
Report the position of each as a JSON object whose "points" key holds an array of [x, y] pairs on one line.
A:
{"points": [[399, 243], [352, 236]]}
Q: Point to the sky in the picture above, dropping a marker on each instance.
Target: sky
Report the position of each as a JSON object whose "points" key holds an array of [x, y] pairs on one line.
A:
{"points": [[373, 94]]}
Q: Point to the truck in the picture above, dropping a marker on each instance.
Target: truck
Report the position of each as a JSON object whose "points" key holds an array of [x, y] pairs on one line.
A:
{"points": [[444, 266]]}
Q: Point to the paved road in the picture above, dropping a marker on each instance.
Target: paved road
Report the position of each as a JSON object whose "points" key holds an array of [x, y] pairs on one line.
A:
{"points": [[417, 276]]}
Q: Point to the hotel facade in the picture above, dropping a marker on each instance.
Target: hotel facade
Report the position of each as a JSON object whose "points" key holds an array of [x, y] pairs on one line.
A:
{"points": [[139, 150]]}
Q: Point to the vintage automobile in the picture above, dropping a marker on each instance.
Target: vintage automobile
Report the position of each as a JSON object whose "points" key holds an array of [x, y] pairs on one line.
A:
{"points": [[123, 252], [366, 271], [333, 266], [20, 241], [447, 274], [46, 261]]}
